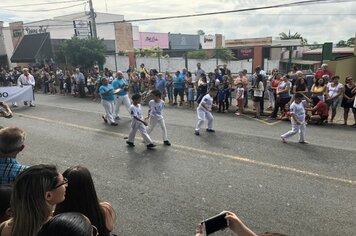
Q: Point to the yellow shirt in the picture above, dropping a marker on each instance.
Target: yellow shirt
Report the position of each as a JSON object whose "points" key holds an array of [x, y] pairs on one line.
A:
{"points": [[318, 90]]}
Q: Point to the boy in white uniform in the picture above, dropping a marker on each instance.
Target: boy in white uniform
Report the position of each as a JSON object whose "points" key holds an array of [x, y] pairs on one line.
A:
{"points": [[155, 115], [204, 111], [297, 112], [138, 123]]}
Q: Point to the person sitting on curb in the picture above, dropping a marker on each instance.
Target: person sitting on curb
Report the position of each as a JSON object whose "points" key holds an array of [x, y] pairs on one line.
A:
{"points": [[11, 143]]}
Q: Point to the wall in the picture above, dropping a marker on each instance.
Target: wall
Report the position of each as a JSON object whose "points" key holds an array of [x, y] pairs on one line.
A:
{"points": [[149, 40], [343, 68], [177, 63], [184, 41]]}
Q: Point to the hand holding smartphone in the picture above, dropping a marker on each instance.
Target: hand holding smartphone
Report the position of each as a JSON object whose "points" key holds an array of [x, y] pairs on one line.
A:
{"points": [[215, 223]]}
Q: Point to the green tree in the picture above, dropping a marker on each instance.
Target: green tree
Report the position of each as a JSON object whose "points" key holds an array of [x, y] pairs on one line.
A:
{"points": [[83, 52], [149, 52], [351, 42], [341, 43], [197, 54], [224, 54], [200, 32], [296, 35]]}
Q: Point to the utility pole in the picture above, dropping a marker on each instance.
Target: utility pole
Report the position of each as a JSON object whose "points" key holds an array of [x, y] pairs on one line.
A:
{"points": [[92, 17]]}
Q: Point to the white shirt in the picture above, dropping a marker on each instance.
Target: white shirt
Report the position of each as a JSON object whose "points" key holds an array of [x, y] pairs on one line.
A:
{"points": [[333, 91], [156, 108], [298, 110], [26, 80], [258, 91], [136, 111], [208, 101]]}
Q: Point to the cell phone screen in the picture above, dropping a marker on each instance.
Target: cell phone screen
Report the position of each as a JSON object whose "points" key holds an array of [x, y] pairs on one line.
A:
{"points": [[215, 223]]}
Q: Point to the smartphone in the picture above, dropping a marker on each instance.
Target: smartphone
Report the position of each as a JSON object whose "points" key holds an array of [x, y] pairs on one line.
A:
{"points": [[215, 223]]}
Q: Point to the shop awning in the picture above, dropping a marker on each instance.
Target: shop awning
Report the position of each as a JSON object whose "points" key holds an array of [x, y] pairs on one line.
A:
{"points": [[301, 62], [33, 48]]}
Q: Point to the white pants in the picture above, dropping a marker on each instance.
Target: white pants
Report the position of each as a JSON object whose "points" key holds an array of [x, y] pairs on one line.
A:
{"points": [[271, 98], [295, 129], [122, 100], [137, 125], [109, 110], [202, 116], [153, 121]]}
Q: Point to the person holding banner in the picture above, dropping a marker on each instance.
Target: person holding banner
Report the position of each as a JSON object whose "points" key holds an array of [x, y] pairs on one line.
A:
{"points": [[26, 79]]}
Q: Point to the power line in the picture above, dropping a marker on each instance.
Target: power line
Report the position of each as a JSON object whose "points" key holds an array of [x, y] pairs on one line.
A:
{"points": [[44, 3], [300, 3], [46, 10]]}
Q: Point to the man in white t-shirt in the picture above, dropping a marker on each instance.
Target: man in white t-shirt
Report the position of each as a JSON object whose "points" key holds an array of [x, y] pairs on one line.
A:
{"points": [[297, 112], [204, 111]]}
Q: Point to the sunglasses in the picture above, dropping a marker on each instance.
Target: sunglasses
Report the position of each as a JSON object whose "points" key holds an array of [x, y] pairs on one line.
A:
{"points": [[65, 182]]}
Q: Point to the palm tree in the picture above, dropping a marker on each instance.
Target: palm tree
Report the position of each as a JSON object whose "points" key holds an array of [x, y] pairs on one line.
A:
{"points": [[296, 35]]}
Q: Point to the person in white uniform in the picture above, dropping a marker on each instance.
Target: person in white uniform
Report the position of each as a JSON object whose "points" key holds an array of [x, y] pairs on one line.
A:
{"points": [[204, 111], [138, 123], [155, 115], [297, 112], [122, 97], [26, 79]]}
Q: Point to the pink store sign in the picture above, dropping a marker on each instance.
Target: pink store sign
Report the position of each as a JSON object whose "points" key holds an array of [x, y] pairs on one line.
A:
{"points": [[148, 40]]}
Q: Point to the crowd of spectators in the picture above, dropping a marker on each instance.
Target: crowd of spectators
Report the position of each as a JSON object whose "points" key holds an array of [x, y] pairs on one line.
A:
{"points": [[186, 88]]}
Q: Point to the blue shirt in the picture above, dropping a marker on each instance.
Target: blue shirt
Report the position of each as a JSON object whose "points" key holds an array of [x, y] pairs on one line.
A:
{"points": [[107, 97], [221, 95], [120, 83], [161, 84], [178, 82], [9, 169]]}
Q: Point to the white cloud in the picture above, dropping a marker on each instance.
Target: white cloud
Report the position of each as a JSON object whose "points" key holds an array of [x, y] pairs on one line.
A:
{"points": [[304, 20]]}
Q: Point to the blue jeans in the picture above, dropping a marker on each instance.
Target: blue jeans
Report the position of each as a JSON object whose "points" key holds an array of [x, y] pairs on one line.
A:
{"points": [[170, 93]]}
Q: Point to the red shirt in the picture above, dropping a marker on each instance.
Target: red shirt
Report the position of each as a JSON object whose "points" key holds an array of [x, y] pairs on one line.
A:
{"points": [[320, 72], [322, 109]]}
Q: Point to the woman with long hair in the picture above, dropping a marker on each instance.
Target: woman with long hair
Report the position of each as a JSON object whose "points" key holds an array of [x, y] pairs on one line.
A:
{"points": [[36, 190], [81, 197], [318, 89]]}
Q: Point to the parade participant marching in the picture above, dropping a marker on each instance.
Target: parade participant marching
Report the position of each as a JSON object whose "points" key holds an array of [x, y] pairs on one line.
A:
{"points": [[26, 79], [122, 97], [297, 112], [106, 92], [204, 111], [155, 115], [138, 123]]}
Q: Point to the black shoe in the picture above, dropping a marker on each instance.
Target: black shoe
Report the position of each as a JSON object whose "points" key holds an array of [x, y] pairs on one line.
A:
{"points": [[196, 132], [167, 143], [25, 103], [113, 124], [105, 120], [150, 146], [130, 144], [32, 105], [210, 130]]}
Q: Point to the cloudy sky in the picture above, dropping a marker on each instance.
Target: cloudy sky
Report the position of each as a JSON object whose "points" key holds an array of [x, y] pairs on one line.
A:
{"points": [[329, 22]]}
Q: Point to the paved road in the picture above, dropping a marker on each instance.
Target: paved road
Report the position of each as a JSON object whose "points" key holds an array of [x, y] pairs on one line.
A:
{"points": [[290, 188]]}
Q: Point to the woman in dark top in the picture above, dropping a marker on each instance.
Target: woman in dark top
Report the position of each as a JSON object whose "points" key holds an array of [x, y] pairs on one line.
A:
{"points": [[348, 99], [300, 86]]}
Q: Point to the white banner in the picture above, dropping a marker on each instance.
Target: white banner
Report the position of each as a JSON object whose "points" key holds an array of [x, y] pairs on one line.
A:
{"points": [[16, 94]]}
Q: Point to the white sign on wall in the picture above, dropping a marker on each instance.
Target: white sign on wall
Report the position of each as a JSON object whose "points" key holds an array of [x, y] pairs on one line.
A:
{"points": [[82, 28], [208, 41]]}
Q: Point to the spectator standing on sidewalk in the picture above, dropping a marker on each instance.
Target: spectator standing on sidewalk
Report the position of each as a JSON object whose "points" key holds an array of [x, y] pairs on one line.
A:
{"points": [[283, 95], [80, 81], [348, 99], [334, 91], [178, 85]]}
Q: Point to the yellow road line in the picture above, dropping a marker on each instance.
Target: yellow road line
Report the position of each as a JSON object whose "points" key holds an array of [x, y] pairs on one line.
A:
{"points": [[196, 150]]}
